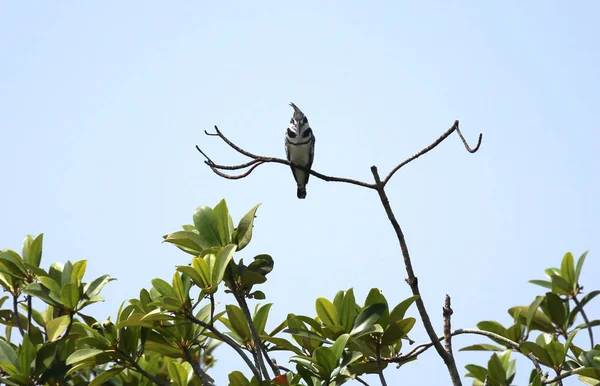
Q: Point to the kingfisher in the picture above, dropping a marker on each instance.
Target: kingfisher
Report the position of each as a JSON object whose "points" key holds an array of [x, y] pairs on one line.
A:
{"points": [[300, 148]]}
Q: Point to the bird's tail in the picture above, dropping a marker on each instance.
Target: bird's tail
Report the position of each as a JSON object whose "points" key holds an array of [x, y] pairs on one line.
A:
{"points": [[301, 193]]}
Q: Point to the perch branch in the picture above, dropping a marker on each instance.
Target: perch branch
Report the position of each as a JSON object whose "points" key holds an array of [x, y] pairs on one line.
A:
{"points": [[447, 312], [257, 160]]}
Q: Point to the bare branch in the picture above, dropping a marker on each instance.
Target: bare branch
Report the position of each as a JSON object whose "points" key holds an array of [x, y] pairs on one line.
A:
{"points": [[432, 146], [257, 160], [413, 282], [447, 312]]}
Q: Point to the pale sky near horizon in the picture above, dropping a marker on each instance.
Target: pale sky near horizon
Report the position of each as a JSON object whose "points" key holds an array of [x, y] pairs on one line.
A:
{"points": [[101, 106]]}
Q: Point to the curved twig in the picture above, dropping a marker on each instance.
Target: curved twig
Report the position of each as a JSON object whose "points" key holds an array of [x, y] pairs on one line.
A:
{"points": [[432, 146], [236, 177]]}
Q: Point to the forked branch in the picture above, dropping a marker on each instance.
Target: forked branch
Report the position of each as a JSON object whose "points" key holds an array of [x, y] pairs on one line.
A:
{"points": [[257, 160]]}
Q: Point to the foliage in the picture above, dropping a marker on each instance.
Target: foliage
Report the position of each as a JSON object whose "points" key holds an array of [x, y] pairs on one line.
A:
{"points": [[167, 335]]}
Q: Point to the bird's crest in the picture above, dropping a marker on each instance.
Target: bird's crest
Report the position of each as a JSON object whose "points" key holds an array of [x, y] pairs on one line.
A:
{"points": [[298, 114]]}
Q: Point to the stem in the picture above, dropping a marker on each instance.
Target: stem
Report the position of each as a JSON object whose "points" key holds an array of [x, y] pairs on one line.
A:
{"points": [[379, 368], [29, 314], [413, 283], [360, 380], [197, 370], [261, 350], [212, 309], [229, 341], [137, 368], [447, 312], [16, 314], [585, 318]]}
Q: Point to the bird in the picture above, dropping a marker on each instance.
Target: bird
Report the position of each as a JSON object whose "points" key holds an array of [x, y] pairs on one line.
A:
{"points": [[300, 148]]}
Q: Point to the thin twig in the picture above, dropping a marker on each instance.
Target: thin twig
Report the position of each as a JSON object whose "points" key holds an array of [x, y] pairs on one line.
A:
{"points": [[229, 341], [139, 369], [16, 314], [447, 312], [585, 318], [197, 369], [413, 283], [212, 309], [432, 146], [379, 367]]}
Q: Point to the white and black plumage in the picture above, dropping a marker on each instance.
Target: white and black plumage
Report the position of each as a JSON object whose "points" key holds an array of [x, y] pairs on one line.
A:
{"points": [[300, 148]]}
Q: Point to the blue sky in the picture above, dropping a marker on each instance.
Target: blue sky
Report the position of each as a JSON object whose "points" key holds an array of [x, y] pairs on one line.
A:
{"points": [[101, 106]]}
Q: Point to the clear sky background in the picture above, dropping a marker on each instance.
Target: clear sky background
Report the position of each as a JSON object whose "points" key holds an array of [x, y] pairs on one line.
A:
{"points": [[101, 106]]}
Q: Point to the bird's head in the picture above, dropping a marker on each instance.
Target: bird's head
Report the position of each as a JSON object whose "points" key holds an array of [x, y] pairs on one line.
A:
{"points": [[298, 130]]}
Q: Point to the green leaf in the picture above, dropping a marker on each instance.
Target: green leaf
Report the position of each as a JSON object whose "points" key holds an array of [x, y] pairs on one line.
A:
{"points": [[78, 271], [84, 354], [539, 321], [376, 297], [27, 354], [327, 312], [338, 346], [93, 289], [69, 295], [348, 311], [105, 376], [236, 378], [477, 372], [187, 241], [326, 359], [580, 266], [244, 229], [163, 287], [222, 213], [482, 347], [281, 344], [400, 310], [543, 283], [178, 374], [567, 270], [49, 283], [397, 330], [556, 309], [207, 224], [537, 350], [238, 322], [32, 249], [496, 370], [260, 318], [557, 352], [367, 318], [44, 358], [223, 259], [560, 286], [533, 308], [7, 353], [57, 326]]}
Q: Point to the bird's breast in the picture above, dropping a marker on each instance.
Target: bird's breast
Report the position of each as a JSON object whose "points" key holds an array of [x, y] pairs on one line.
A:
{"points": [[300, 154]]}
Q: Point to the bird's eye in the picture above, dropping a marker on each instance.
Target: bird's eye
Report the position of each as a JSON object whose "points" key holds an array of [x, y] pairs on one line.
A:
{"points": [[307, 133], [304, 120], [291, 133]]}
